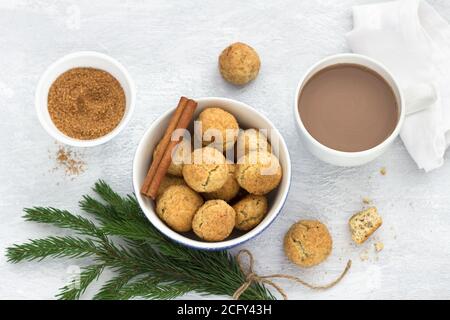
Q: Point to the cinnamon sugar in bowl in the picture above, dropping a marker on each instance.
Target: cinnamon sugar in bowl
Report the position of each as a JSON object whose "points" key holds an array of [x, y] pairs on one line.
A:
{"points": [[85, 99]]}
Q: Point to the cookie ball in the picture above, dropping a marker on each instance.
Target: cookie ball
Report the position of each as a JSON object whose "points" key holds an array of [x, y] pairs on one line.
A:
{"points": [[252, 140], [208, 170], [258, 172], [168, 181], [250, 211], [214, 221], [307, 243], [179, 156], [177, 206], [239, 63], [218, 129], [229, 190]]}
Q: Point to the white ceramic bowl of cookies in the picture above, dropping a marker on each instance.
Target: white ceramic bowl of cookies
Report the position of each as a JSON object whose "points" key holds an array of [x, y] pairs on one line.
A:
{"points": [[247, 117]]}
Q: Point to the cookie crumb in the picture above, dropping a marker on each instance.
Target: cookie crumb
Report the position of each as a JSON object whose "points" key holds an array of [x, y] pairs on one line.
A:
{"points": [[378, 246], [383, 171], [364, 256], [366, 200]]}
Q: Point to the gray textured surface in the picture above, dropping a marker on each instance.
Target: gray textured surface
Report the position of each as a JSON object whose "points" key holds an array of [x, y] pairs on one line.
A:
{"points": [[171, 49]]}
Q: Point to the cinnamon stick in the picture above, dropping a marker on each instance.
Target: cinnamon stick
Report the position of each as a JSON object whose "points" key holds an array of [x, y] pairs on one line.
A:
{"points": [[164, 143], [183, 123]]}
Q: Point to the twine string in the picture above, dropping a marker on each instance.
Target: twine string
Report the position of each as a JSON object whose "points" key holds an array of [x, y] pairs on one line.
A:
{"points": [[252, 277]]}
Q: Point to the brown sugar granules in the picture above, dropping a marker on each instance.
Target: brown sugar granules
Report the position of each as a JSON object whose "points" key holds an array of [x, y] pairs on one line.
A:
{"points": [[86, 103], [69, 161]]}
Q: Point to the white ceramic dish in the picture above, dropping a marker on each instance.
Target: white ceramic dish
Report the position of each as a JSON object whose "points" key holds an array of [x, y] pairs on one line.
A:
{"points": [[247, 118], [83, 59], [341, 158]]}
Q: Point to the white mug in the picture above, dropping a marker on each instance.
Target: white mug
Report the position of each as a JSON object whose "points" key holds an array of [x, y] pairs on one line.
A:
{"points": [[342, 158]]}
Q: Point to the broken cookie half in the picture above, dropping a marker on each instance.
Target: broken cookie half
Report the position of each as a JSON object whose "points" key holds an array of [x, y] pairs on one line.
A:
{"points": [[364, 223]]}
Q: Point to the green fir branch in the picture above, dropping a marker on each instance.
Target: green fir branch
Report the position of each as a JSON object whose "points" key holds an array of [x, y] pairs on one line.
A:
{"points": [[62, 219], [150, 288], [78, 285], [125, 207], [148, 266], [109, 291], [52, 247], [130, 230], [99, 210]]}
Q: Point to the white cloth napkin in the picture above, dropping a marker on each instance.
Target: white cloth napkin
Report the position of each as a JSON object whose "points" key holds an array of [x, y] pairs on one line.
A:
{"points": [[413, 41]]}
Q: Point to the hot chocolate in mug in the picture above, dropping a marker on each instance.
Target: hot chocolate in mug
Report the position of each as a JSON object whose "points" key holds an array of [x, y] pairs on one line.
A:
{"points": [[336, 111]]}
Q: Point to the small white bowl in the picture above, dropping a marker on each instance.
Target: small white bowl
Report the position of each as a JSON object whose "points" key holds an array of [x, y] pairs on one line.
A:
{"points": [[83, 59], [247, 118], [341, 158]]}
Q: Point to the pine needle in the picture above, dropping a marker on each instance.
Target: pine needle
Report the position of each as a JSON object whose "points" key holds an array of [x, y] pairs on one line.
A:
{"points": [[110, 289], [53, 247], [79, 284], [149, 265], [150, 288], [62, 219]]}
